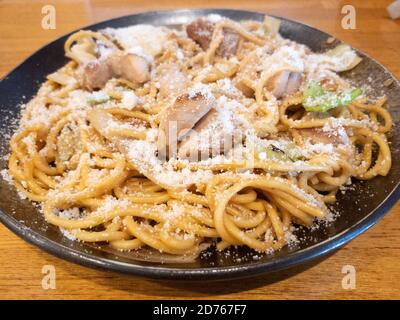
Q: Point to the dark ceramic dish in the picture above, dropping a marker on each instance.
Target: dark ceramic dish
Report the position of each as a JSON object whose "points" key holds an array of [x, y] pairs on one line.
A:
{"points": [[360, 208]]}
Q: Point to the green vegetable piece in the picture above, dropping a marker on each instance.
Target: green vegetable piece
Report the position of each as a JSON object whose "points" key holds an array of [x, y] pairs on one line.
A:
{"points": [[276, 153], [97, 98], [315, 98]]}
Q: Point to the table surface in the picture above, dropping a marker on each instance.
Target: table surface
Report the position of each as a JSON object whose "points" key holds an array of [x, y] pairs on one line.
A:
{"points": [[375, 255]]}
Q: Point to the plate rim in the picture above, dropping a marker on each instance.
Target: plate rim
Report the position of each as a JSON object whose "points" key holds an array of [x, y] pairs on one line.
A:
{"points": [[295, 258]]}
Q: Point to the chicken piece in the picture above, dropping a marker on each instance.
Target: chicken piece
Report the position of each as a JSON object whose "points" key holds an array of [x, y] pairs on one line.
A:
{"points": [[210, 137], [197, 143], [230, 43], [171, 80], [284, 83], [96, 74], [131, 67], [179, 118], [294, 82], [201, 32], [277, 83]]}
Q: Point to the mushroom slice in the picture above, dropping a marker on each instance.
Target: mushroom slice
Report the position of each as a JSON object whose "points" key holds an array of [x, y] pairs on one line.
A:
{"points": [[180, 117]]}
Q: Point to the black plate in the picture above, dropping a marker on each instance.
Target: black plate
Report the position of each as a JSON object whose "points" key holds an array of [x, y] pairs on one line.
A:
{"points": [[360, 208]]}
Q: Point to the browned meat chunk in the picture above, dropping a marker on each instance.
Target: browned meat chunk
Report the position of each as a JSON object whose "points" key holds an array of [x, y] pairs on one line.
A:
{"points": [[171, 79], [284, 83], [180, 117], [294, 82], [230, 43], [201, 32], [131, 67], [96, 74], [128, 66], [192, 145], [209, 138]]}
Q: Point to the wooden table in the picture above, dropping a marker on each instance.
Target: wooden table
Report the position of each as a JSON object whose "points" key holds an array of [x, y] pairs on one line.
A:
{"points": [[375, 254]]}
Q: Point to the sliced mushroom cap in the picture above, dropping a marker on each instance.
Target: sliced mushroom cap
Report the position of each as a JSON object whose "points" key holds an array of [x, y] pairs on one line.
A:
{"points": [[179, 118], [284, 83], [129, 66]]}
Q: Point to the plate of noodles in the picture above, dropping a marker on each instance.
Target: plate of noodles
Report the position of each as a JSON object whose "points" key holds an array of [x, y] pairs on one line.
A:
{"points": [[197, 144]]}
